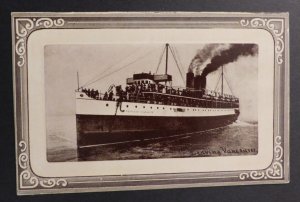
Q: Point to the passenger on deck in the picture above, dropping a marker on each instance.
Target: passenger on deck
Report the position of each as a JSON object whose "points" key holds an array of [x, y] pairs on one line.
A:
{"points": [[105, 96], [92, 93], [111, 94], [97, 94]]}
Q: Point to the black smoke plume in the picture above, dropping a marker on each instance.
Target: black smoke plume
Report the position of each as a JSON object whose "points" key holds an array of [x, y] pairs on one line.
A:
{"points": [[202, 55], [229, 55]]}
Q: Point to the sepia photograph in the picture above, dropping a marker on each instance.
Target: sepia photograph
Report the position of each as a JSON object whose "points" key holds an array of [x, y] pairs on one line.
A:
{"points": [[147, 101], [143, 100]]}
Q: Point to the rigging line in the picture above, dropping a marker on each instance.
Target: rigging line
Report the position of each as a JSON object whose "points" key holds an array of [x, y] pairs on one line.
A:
{"points": [[175, 59], [228, 83], [225, 73], [147, 54], [110, 66], [92, 80], [160, 59], [218, 82], [217, 85], [177, 64], [178, 56]]}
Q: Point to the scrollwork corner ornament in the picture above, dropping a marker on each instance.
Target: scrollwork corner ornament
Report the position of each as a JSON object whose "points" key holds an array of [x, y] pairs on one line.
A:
{"points": [[27, 180], [275, 171], [23, 27], [275, 27]]}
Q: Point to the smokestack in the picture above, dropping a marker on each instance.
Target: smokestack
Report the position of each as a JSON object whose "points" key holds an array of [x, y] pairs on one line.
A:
{"points": [[203, 82], [197, 82], [190, 80]]}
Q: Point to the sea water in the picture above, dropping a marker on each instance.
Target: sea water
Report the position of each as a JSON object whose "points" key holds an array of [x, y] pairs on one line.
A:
{"points": [[237, 139]]}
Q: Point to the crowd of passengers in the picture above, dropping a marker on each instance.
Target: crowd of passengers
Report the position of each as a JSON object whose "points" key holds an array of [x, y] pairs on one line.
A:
{"points": [[138, 93]]}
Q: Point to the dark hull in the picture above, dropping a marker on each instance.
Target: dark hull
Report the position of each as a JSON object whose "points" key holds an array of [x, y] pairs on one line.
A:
{"points": [[97, 130]]}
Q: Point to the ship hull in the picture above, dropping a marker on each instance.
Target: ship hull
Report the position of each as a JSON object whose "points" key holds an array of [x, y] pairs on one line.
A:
{"points": [[103, 122], [96, 130]]}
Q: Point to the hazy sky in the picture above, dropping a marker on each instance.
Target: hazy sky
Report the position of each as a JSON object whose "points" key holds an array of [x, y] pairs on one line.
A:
{"points": [[114, 63]]}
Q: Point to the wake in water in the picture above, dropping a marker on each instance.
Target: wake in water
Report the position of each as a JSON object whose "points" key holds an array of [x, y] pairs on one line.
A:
{"points": [[239, 138], [242, 123]]}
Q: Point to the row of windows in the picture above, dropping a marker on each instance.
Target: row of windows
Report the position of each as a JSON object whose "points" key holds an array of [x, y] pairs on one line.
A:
{"points": [[127, 106], [142, 82]]}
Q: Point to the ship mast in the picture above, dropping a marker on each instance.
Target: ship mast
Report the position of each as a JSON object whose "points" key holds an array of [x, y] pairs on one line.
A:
{"points": [[222, 81], [167, 51], [77, 80]]}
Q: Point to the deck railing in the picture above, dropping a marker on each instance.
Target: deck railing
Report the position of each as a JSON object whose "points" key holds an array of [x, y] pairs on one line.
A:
{"points": [[206, 101]]}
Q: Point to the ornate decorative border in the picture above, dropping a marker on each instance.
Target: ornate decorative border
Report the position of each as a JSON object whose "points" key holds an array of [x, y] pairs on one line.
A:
{"points": [[24, 26], [27, 179], [276, 28], [275, 171]]}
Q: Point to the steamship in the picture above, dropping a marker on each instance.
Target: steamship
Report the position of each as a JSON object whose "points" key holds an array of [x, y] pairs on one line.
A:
{"points": [[150, 108]]}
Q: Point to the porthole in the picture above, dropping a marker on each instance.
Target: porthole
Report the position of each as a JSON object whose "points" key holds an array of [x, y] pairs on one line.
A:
{"points": [[127, 106], [107, 105], [157, 107], [135, 106], [144, 107]]}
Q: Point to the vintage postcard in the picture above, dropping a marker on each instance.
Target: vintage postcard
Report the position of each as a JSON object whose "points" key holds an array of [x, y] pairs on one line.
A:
{"points": [[142, 100]]}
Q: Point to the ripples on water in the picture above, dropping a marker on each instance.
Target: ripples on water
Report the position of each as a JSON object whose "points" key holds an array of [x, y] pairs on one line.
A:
{"points": [[236, 139]]}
